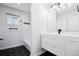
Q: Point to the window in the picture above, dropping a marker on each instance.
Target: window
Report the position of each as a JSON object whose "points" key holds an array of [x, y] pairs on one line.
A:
{"points": [[12, 19]]}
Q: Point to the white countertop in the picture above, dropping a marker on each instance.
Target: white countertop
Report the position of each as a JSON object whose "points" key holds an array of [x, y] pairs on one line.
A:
{"points": [[72, 34]]}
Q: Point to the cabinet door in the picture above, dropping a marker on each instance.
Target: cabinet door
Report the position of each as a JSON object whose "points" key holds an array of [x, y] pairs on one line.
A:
{"points": [[72, 48], [59, 43], [54, 45]]}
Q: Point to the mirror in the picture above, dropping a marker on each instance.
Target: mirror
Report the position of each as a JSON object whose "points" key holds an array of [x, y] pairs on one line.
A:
{"points": [[67, 18]]}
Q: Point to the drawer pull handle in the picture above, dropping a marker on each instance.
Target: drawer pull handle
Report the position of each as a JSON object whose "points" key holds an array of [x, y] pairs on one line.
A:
{"points": [[1, 39]]}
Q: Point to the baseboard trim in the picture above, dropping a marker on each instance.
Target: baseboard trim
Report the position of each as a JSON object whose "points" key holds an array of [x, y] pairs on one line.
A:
{"points": [[38, 54], [11, 46], [27, 46]]}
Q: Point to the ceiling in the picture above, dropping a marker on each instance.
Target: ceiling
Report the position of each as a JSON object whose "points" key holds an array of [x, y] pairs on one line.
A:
{"points": [[20, 6], [26, 7]]}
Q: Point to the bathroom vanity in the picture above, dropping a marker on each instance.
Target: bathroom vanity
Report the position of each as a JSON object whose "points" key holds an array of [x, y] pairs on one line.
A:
{"points": [[64, 44]]}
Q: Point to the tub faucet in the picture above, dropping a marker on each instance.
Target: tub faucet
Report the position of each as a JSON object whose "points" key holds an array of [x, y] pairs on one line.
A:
{"points": [[59, 30]]}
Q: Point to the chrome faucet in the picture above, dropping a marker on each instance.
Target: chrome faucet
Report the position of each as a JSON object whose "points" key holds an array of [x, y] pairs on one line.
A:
{"points": [[59, 31]]}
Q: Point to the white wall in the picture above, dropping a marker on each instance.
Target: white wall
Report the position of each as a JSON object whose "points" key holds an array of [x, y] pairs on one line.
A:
{"points": [[27, 33], [39, 17], [69, 21], [15, 37]]}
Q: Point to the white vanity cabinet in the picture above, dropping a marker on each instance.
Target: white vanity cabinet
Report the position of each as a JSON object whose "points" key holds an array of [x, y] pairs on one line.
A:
{"points": [[53, 44], [72, 47], [61, 45]]}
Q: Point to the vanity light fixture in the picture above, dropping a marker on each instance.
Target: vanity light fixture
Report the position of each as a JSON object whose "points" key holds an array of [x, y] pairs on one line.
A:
{"points": [[52, 10], [58, 6], [54, 7]]}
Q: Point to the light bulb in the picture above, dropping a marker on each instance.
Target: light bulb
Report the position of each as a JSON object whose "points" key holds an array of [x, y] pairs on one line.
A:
{"points": [[53, 11], [69, 4], [63, 7], [55, 7], [18, 3], [58, 9]]}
